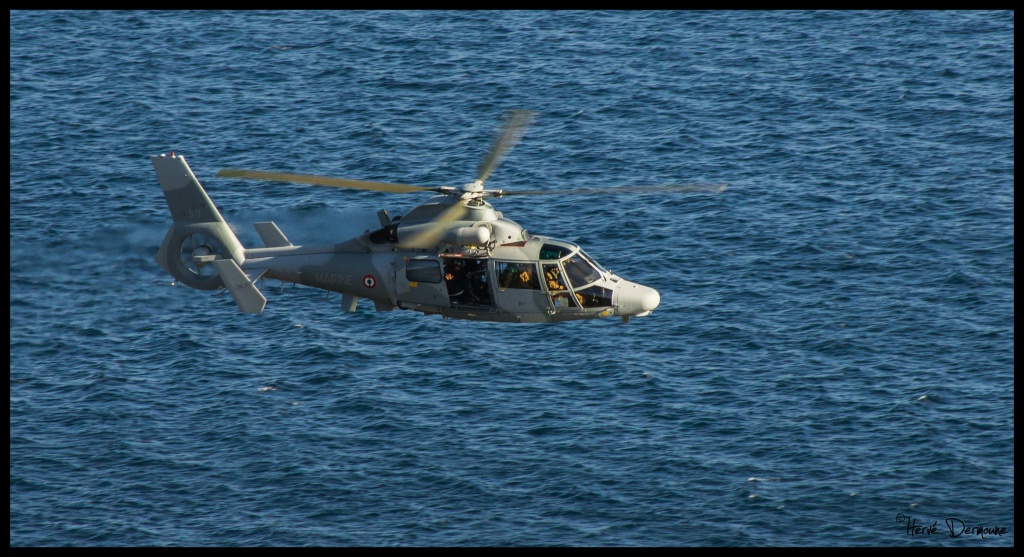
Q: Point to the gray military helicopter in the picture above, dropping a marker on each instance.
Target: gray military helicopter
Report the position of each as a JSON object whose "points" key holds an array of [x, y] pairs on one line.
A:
{"points": [[454, 255]]}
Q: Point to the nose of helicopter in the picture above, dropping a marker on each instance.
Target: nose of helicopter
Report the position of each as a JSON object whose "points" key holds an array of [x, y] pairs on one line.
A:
{"points": [[636, 299]]}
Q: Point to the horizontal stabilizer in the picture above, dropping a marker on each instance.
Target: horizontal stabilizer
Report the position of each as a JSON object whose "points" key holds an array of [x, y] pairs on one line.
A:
{"points": [[246, 295], [271, 235]]}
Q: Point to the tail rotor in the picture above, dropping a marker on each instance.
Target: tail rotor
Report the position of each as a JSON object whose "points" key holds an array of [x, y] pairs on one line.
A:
{"points": [[197, 252]]}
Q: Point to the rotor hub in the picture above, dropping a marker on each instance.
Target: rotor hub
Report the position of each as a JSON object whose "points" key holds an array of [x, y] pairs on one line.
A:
{"points": [[476, 186]]}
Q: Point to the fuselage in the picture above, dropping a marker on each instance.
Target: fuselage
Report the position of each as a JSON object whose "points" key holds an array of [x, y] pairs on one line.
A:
{"points": [[453, 255], [539, 279]]}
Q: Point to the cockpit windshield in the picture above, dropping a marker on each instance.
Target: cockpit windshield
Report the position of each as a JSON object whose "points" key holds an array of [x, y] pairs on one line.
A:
{"points": [[580, 271], [593, 262]]}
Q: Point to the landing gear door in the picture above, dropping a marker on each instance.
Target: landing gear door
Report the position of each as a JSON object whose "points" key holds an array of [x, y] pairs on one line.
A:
{"points": [[419, 282]]}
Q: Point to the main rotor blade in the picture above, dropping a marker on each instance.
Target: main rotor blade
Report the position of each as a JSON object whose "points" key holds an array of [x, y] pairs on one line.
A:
{"points": [[321, 181], [715, 188], [427, 234], [516, 123]]}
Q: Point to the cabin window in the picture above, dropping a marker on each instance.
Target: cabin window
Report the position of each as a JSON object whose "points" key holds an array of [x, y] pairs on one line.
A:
{"points": [[517, 275], [423, 270]]}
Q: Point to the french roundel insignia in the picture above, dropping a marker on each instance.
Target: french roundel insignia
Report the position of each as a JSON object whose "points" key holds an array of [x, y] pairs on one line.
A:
{"points": [[369, 281]]}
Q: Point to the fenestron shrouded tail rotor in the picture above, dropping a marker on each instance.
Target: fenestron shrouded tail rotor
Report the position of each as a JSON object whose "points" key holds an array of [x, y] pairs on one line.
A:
{"points": [[197, 251]]}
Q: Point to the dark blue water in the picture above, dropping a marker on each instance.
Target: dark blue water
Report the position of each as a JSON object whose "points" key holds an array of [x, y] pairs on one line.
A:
{"points": [[831, 363]]}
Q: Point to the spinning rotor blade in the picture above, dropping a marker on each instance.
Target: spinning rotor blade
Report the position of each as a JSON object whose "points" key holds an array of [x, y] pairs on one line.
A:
{"points": [[715, 188], [516, 123], [429, 233], [321, 181]]}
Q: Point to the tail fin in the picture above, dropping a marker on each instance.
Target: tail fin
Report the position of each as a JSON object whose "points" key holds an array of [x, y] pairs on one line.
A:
{"points": [[199, 234]]}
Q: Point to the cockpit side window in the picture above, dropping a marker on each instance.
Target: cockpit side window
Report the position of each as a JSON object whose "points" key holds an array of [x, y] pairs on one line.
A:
{"points": [[517, 275], [555, 282], [580, 271], [553, 277]]}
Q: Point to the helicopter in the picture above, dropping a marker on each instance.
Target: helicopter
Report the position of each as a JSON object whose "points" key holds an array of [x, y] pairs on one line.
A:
{"points": [[453, 255]]}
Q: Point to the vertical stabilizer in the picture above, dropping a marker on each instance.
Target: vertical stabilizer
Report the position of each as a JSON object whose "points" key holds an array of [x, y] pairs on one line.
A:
{"points": [[198, 235]]}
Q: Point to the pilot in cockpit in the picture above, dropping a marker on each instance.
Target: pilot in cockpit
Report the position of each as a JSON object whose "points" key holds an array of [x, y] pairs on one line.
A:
{"points": [[553, 277], [556, 284]]}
